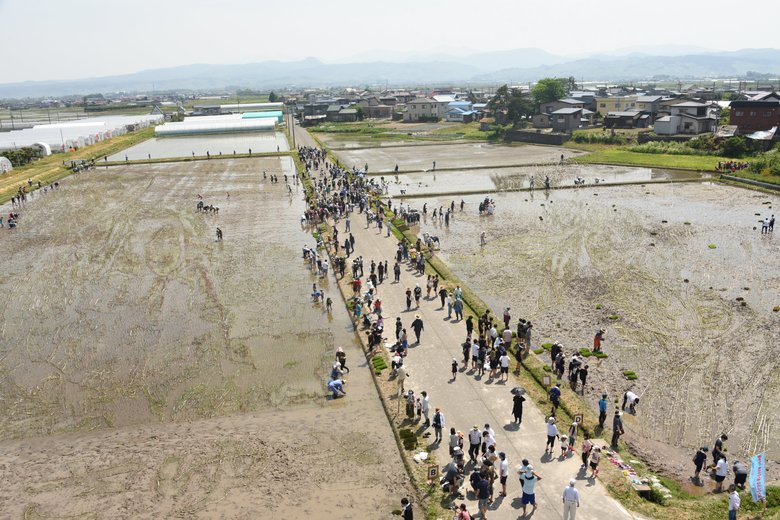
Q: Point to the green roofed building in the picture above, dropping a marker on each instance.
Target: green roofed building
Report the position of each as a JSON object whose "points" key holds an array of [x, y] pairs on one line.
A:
{"points": [[262, 115]]}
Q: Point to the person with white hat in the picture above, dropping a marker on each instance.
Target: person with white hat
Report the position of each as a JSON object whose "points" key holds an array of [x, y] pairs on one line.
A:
{"points": [[529, 486], [571, 501]]}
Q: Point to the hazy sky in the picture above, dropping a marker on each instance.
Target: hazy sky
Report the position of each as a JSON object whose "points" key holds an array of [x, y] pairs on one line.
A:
{"points": [[67, 39]]}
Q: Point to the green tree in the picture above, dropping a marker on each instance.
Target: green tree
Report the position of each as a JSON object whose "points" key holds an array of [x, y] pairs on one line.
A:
{"points": [[548, 89], [272, 97], [735, 146], [517, 106], [471, 97]]}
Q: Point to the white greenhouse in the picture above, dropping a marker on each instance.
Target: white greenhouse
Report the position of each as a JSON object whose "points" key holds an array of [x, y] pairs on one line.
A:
{"points": [[61, 137]]}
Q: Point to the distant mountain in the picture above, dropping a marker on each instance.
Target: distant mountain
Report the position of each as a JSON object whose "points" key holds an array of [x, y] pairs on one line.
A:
{"points": [[713, 65], [489, 67]]}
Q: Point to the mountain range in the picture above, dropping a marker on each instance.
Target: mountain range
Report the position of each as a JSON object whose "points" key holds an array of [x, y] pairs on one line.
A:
{"points": [[510, 66]]}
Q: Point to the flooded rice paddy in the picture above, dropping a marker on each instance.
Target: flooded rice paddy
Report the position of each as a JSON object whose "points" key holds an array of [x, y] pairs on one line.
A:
{"points": [[214, 144], [460, 156], [125, 310], [518, 178], [679, 274]]}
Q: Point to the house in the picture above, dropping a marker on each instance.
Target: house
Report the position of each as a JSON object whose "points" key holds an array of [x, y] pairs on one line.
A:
{"points": [[347, 115], [626, 119], [568, 119], [688, 117], [332, 112], [753, 116], [649, 105], [421, 109], [373, 108], [552, 106], [605, 105], [460, 112]]}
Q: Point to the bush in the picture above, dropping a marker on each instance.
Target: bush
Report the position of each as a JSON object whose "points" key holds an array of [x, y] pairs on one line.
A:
{"points": [[766, 164], [580, 136], [735, 146], [654, 496], [668, 148]]}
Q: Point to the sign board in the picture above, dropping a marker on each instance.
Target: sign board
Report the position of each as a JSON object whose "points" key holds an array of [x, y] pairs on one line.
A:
{"points": [[546, 381], [433, 472], [578, 418]]}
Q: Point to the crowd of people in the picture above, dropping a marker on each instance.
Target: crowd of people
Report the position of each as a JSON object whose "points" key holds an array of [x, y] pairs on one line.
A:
{"points": [[488, 351]]}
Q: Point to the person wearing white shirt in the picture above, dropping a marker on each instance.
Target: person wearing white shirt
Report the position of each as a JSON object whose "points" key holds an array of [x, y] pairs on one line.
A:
{"points": [[571, 501], [474, 354], [475, 440], [426, 408], [504, 361], [721, 470], [503, 471], [734, 502]]}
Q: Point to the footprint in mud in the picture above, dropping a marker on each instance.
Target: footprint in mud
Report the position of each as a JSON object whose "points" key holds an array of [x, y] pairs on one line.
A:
{"points": [[168, 478], [163, 251]]}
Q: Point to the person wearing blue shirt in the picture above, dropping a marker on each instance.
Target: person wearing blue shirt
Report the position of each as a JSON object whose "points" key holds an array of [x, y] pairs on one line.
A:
{"points": [[337, 388], [555, 397], [602, 410]]}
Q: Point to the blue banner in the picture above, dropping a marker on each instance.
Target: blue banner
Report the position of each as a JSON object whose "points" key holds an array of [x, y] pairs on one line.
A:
{"points": [[757, 477]]}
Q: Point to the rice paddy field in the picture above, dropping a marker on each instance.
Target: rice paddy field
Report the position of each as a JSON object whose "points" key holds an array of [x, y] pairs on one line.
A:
{"points": [[678, 273], [148, 370]]}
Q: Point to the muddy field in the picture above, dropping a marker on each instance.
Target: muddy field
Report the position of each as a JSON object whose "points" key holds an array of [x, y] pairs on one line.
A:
{"points": [[680, 277], [149, 370], [464, 155], [518, 178]]}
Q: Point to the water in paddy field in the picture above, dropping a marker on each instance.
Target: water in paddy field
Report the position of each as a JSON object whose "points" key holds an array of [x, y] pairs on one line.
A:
{"points": [[573, 261], [518, 178], [450, 156], [121, 308], [185, 146]]}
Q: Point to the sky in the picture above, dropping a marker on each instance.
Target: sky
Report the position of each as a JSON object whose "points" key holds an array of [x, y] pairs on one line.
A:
{"points": [[58, 39]]}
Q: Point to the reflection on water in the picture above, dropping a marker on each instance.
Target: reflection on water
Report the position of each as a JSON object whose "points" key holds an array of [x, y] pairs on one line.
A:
{"points": [[503, 179]]}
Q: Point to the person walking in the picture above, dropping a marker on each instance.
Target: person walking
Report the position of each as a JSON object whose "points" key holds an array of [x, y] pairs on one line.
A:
{"points": [[595, 457], [454, 369], [475, 441], [555, 398], [552, 433], [438, 424], [571, 501], [734, 502], [699, 460], [587, 445], [401, 375], [417, 327], [517, 408]]}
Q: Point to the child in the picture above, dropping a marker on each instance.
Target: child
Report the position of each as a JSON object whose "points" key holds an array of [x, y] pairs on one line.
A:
{"points": [[329, 305], [418, 407], [454, 368], [594, 462], [564, 445]]}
